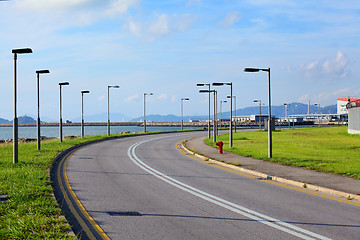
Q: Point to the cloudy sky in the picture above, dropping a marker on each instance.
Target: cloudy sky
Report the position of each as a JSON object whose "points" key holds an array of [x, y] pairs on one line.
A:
{"points": [[166, 47]]}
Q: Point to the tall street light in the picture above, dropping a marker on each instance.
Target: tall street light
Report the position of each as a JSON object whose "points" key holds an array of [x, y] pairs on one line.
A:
{"points": [[318, 104], [15, 121], [231, 100], [60, 123], [182, 111], [201, 85], [215, 100], [286, 112], [259, 101], [269, 119], [221, 112], [234, 111], [150, 94], [108, 123], [38, 106], [82, 111]]}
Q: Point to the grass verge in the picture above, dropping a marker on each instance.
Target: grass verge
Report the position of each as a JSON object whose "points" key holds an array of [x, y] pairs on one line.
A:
{"points": [[31, 212], [326, 149]]}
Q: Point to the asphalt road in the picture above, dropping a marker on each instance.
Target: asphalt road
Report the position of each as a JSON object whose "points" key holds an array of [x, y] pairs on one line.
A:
{"points": [[143, 188]]}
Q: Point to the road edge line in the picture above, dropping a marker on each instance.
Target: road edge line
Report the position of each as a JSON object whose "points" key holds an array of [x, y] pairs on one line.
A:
{"points": [[265, 176]]}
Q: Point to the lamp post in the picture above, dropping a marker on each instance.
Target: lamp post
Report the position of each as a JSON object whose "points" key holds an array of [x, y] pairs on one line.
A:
{"points": [[286, 112], [108, 123], [221, 112], [231, 100], [150, 94], [82, 111], [259, 101], [215, 100], [60, 123], [294, 116], [318, 104], [182, 110], [234, 112], [15, 121], [38, 106], [269, 95], [201, 85]]}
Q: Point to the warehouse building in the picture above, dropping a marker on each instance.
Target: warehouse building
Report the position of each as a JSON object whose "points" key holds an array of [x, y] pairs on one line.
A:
{"points": [[353, 108]]}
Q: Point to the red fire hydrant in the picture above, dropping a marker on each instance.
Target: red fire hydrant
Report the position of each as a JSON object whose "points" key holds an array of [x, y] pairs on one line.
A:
{"points": [[220, 144]]}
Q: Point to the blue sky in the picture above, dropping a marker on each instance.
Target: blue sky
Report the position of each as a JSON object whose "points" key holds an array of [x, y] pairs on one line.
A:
{"points": [[166, 47]]}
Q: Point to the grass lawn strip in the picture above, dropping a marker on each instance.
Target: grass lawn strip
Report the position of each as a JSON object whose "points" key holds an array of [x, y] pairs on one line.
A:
{"points": [[326, 149], [31, 212]]}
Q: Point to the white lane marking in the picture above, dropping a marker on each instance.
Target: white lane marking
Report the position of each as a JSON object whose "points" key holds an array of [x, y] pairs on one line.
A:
{"points": [[272, 222]]}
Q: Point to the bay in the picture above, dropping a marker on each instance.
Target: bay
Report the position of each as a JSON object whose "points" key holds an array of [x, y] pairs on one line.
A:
{"points": [[53, 131]]}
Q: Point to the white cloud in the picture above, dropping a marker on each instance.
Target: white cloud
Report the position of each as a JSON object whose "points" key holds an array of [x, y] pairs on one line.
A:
{"points": [[135, 28], [120, 6], [132, 98], [57, 5], [326, 96], [161, 26], [327, 68], [101, 98], [162, 96], [173, 98], [191, 3], [83, 11], [230, 19], [304, 98]]}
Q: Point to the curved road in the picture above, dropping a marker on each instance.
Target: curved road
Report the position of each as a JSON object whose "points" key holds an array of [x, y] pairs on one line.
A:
{"points": [[143, 187]]}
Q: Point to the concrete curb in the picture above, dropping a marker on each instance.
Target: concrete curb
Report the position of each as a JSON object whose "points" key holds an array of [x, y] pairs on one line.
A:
{"points": [[275, 178]]}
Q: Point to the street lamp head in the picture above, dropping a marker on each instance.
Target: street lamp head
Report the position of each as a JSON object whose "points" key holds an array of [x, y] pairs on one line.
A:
{"points": [[116, 86], [202, 84], [85, 91], [148, 94], [22, 50], [251, 70], [42, 71], [185, 99], [206, 91], [63, 83], [256, 69], [256, 100]]}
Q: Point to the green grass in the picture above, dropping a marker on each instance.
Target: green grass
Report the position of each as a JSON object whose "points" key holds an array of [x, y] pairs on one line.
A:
{"points": [[31, 212], [327, 149]]}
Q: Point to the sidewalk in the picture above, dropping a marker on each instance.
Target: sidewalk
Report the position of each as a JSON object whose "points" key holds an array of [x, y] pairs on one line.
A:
{"points": [[318, 181]]}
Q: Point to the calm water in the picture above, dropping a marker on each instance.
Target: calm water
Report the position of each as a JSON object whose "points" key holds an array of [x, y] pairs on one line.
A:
{"points": [[30, 132]]}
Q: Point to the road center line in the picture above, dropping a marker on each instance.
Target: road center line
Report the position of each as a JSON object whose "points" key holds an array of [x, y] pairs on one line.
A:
{"points": [[272, 222]]}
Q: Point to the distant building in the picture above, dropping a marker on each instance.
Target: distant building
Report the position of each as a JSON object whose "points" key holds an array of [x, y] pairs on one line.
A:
{"points": [[241, 118], [341, 105], [353, 108]]}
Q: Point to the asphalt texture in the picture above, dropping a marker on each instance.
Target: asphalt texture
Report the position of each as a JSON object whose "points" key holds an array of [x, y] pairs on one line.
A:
{"points": [[144, 188]]}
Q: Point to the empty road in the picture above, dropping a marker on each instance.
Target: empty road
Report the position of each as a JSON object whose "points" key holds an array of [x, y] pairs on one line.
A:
{"points": [[143, 187]]}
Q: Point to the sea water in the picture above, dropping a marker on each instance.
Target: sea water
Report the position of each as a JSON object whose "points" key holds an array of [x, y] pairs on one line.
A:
{"points": [[53, 131]]}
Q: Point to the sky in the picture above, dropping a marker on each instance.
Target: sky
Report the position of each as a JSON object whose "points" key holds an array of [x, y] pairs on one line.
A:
{"points": [[167, 47]]}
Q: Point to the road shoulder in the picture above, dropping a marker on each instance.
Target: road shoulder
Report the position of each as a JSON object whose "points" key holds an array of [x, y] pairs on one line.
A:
{"points": [[340, 186]]}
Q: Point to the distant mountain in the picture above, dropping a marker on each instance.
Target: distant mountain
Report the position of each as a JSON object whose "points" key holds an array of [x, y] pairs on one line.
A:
{"points": [[102, 117], [25, 119], [167, 118], [4, 121], [278, 111]]}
